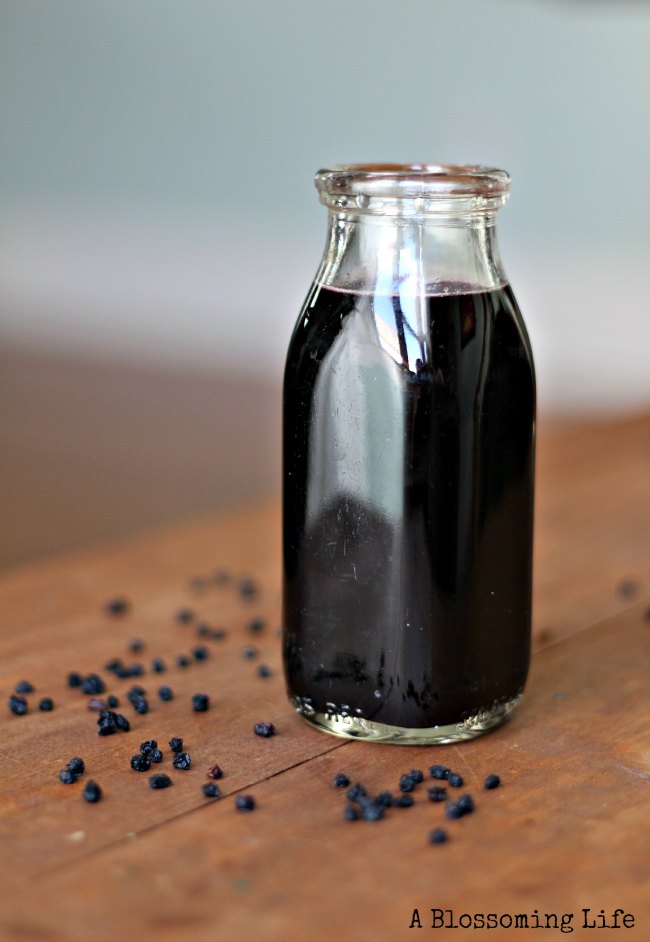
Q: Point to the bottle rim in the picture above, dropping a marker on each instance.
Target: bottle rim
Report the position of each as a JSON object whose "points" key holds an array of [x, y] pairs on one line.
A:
{"points": [[391, 188]]}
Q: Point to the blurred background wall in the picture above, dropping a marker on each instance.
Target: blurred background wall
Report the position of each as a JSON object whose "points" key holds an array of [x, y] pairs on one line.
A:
{"points": [[159, 228]]}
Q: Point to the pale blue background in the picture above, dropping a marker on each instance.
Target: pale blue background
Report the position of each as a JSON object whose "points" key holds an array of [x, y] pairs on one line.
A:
{"points": [[156, 161]]}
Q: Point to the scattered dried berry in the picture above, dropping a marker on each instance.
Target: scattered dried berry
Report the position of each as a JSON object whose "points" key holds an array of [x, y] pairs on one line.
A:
{"points": [[341, 780], [135, 670], [356, 792], [404, 801], [112, 701], [492, 781], [182, 760], [437, 794], [211, 790], [160, 780], [46, 704], [147, 747], [455, 780], [67, 777], [158, 665], [203, 630], [264, 729], [137, 644], [264, 671], [439, 771], [113, 665], [75, 679], [385, 799], [17, 705], [350, 813], [24, 686], [200, 653], [176, 744], [200, 702], [466, 804], [140, 763], [438, 836], [140, 705], [122, 723], [215, 772], [117, 606], [247, 589], [165, 693], [406, 783], [628, 588], [184, 616], [256, 626], [249, 652], [182, 661], [416, 775], [92, 792], [372, 811], [156, 755], [218, 634], [93, 685], [245, 803], [453, 810], [76, 765]]}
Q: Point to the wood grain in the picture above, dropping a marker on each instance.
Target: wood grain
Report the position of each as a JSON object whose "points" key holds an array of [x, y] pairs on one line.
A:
{"points": [[568, 829]]}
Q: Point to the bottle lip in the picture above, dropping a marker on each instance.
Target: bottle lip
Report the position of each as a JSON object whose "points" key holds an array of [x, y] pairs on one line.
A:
{"points": [[407, 189]]}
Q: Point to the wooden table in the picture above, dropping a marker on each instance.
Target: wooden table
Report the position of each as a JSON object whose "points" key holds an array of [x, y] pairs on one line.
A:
{"points": [[567, 831]]}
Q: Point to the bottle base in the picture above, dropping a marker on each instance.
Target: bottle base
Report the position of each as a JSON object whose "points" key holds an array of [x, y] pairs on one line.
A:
{"points": [[356, 727]]}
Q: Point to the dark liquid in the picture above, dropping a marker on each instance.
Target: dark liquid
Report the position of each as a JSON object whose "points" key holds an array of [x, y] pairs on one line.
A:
{"points": [[408, 505]]}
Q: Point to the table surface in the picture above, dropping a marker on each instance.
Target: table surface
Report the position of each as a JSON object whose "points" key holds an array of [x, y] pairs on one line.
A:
{"points": [[567, 831]]}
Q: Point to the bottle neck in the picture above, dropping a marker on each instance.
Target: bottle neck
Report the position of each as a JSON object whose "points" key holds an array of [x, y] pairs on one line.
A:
{"points": [[419, 255]]}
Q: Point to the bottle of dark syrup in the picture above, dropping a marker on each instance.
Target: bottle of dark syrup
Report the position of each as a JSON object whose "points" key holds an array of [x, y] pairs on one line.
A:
{"points": [[409, 430]]}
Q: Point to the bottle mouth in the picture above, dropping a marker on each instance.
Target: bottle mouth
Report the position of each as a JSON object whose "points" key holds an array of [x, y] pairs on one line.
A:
{"points": [[412, 189]]}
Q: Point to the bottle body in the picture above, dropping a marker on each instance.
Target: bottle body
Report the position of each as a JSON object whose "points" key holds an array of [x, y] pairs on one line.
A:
{"points": [[409, 411]]}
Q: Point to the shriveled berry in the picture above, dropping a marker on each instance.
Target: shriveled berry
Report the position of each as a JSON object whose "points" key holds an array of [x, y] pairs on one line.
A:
{"points": [[176, 744], [372, 811], [245, 803], [263, 671], [75, 679], [203, 630], [165, 692], [182, 661], [135, 670], [215, 772], [453, 810], [406, 783], [350, 813], [356, 792], [404, 801], [140, 705], [184, 616], [24, 686], [437, 794], [46, 704], [439, 771], [416, 775], [218, 634], [158, 665], [117, 606], [256, 626], [92, 792], [136, 644], [466, 804], [93, 685], [140, 763], [211, 790], [107, 727], [455, 780], [160, 780], [200, 652], [67, 777], [384, 798], [492, 781], [341, 780], [438, 836], [112, 701], [96, 704], [17, 705], [147, 747], [113, 665], [247, 588], [76, 765], [122, 723], [249, 652], [182, 760], [200, 702], [264, 729], [156, 755]]}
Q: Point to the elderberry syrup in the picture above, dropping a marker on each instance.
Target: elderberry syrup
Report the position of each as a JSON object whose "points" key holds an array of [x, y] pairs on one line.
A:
{"points": [[409, 416]]}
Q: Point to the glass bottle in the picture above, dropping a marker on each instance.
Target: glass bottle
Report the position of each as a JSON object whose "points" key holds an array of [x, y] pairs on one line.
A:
{"points": [[409, 429]]}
